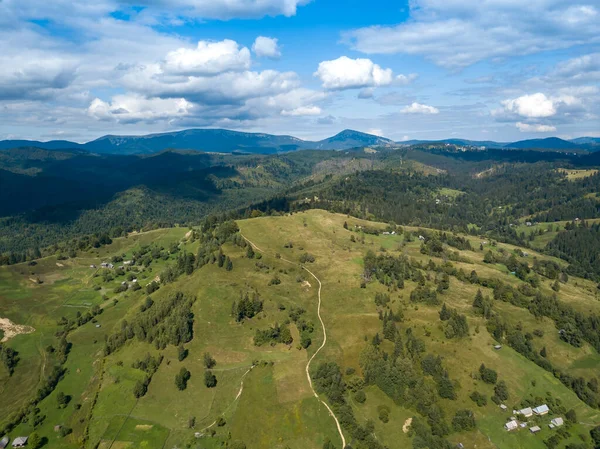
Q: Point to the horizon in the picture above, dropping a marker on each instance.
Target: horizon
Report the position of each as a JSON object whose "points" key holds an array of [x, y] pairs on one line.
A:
{"points": [[290, 135], [413, 70]]}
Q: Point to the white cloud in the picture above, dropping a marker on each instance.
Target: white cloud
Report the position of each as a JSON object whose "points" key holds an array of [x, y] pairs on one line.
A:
{"points": [[208, 58], [536, 105], [418, 108], [458, 33], [230, 9], [194, 9], [375, 132], [135, 108], [583, 68], [302, 110], [266, 47], [406, 79], [346, 73], [535, 128]]}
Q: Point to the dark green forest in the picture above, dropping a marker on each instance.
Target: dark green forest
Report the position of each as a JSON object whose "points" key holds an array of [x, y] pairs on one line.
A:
{"points": [[61, 202]]}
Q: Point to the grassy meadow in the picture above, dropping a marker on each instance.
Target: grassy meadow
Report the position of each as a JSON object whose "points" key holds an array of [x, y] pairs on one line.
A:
{"points": [[262, 396]]}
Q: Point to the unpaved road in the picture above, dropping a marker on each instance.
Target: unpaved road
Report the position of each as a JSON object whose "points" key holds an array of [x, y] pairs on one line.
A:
{"points": [[339, 427]]}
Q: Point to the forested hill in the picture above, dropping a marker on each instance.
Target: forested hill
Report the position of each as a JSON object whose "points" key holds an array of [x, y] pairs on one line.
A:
{"points": [[207, 140], [48, 196], [227, 141]]}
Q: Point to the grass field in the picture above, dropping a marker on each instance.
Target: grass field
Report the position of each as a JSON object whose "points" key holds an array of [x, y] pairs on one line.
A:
{"points": [[276, 407], [573, 175]]}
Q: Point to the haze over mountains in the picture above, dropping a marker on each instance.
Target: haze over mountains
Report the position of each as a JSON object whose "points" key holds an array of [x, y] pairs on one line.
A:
{"points": [[227, 141]]}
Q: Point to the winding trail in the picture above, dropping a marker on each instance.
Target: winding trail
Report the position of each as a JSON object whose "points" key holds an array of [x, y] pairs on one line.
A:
{"points": [[233, 402], [339, 427]]}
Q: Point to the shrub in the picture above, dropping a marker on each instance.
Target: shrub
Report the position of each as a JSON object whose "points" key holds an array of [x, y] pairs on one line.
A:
{"points": [[384, 413], [210, 380], [488, 375], [360, 397], [478, 398], [182, 378], [307, 257], [209, 362], [463, 420]]}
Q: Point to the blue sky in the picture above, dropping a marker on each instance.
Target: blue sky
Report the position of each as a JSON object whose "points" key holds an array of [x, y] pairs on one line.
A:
{"points": [[499, 70]]}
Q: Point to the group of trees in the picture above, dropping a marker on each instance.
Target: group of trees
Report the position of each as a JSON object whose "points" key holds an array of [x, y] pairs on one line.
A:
{"points": [[304, 326], [169, 321], [272, 335], [149, 365], [456, 324], [9, 358], [246, 307], [402, 375]]}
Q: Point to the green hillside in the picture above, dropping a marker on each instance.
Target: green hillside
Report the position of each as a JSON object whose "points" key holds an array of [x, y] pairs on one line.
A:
{"points": [[210, 293]]}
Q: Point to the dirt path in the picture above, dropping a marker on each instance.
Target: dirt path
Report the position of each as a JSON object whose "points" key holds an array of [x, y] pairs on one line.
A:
{"points": [[233, 402], [339, 427]]}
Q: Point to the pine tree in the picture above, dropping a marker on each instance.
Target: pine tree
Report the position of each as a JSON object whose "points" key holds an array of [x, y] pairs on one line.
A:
{"points": [[445, 313], [228, 264], [249, 252]]}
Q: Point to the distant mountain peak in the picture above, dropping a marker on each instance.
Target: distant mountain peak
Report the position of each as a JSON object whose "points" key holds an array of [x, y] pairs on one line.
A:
{"points": [[218, 140]]}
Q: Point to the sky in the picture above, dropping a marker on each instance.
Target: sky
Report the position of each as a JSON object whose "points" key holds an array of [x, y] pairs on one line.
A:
{"points": [[500, 70]]}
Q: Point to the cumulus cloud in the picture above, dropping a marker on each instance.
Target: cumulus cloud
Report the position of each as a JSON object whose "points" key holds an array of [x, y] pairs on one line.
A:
{"points": [[208, 58], [211, 85], [347, 73], [536, 105], [458, 33], [135, 108], [266, 47], [535, 128], [418, 108]]}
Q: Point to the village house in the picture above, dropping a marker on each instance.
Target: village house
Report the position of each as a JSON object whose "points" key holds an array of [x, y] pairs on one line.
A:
{"points": [[4, 442], [535, 429], [526, 412], [498, 347], [20, 442], [557, 422], [93, 266], [511, 425], [541, 410], [503, 407]]}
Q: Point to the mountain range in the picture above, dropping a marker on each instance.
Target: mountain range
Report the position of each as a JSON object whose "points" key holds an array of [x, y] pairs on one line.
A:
{"points": [[226, 141]]}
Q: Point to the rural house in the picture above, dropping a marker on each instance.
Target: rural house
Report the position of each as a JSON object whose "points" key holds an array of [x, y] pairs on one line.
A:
{"points": [[19, 442], [535, 429], [526, 412], [4, 442], [557, 422], [541, 410], [511, 425]]}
